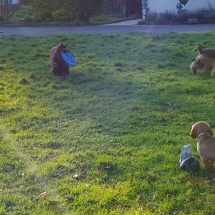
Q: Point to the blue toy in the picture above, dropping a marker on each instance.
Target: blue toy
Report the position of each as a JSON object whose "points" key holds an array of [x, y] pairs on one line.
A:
{"points": [[69, 58], [187, 162]]}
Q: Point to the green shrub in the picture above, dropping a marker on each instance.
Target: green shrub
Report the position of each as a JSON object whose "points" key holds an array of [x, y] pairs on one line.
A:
{"points": [[168, 17], [63, 15], [7, 9], [42, 10], [53, 9], [182, 17]]}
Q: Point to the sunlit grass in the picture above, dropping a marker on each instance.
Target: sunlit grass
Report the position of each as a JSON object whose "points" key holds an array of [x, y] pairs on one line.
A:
{"points": [[107, 138]]}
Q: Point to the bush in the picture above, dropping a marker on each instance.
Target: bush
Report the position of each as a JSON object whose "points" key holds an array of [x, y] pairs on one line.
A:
{"points": [[182, 17], [42, 10], [84, 9], [7, 9], [167, 17], [63, 15]]}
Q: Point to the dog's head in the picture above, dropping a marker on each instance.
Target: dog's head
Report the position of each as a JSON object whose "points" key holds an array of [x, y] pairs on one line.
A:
{"points": [[196, 65], [200, 127], [62, 48]]}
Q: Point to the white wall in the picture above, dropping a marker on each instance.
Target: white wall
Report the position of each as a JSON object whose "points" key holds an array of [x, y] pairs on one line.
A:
{"points": [[170, 5], [15, 1]]}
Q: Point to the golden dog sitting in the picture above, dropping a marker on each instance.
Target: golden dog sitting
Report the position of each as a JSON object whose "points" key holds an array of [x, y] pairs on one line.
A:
{"points": [[205, 143]]}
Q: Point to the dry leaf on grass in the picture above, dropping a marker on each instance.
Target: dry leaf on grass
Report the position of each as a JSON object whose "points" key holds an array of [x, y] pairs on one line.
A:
{"points": [[140, 199], [44, 194], [80, 176], [1, 138], [84, 165]]}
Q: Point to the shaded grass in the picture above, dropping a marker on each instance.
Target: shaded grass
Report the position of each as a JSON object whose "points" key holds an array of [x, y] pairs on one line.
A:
{"points": [[107, 18], [107, 138]]}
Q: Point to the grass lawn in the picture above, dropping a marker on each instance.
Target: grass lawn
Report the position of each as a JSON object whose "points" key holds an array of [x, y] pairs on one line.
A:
{"points": [[107, 138]]}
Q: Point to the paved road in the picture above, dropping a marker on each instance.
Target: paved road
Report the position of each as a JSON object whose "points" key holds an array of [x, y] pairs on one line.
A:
{"points": [[104, 29]]}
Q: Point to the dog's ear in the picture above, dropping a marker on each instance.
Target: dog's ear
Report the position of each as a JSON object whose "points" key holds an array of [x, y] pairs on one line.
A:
{"points": [[200, 49], [61, 47], [193, 134], [201, 62], [208, 129]]}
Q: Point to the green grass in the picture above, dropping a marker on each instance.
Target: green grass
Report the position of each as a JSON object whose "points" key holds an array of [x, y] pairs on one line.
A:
{"points": [[107, 18], [107, 138]]}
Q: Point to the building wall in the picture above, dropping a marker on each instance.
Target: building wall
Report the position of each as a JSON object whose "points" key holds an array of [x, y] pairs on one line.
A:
{"points": [[15, 1], [160, 6]]}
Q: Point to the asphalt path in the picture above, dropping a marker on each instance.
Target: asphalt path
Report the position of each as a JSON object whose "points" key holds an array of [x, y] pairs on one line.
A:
{"points": [[104, 29]]}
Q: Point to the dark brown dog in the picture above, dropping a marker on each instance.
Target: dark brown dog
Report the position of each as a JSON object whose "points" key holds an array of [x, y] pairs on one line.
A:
{"points": [[205, 143], [58, 65], [205, 60]]}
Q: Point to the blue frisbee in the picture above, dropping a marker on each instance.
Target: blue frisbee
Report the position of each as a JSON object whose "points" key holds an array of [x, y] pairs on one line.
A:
{"points": [[69, 58]]}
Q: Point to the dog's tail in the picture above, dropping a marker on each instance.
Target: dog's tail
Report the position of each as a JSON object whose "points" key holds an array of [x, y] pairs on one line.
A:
{"points": [[200, 49]]}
